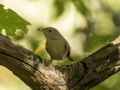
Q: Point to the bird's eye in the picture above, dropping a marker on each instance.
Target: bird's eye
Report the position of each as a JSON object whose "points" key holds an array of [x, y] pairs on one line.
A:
{"points": [[49, 30]]}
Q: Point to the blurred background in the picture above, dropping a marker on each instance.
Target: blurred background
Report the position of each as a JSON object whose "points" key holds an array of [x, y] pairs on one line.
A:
{"points": [[86, 24]]}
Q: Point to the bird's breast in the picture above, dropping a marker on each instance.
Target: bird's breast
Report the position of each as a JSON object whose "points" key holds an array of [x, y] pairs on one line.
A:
{"points": [[56, 49]]}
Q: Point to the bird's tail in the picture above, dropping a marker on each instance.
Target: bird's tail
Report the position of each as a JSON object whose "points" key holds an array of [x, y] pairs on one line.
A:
{"points": [[69, 58]]}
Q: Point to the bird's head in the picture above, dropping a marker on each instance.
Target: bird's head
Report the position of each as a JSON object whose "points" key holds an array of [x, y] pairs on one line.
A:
{"points": [[50, 32]]}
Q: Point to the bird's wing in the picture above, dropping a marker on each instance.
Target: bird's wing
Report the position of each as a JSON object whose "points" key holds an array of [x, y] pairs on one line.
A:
{"points": [[68, 53], [68, 48]]}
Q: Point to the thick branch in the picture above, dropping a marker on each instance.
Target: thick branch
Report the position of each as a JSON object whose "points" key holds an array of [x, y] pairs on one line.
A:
{"points": [[44, 76]]}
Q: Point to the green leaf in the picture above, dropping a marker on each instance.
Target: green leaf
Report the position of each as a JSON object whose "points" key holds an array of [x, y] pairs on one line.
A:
{"points": [[59, 7], [11, 21], [79, 4]]}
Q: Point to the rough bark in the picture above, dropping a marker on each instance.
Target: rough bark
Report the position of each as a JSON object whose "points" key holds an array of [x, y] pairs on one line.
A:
{"points": [[39, 74]]}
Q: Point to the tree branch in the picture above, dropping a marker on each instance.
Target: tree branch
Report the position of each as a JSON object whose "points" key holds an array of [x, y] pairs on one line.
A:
{"points": [[40, 75]]}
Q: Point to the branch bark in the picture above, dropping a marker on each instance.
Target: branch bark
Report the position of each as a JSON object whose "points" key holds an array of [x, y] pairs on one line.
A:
{"points": [[41, 75]]}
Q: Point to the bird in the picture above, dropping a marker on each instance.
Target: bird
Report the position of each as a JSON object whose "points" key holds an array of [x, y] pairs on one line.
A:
{"points": [[56, 45]]}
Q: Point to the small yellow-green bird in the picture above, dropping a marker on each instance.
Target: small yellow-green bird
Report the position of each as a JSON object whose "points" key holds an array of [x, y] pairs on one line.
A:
{"points": [[56, 45]]}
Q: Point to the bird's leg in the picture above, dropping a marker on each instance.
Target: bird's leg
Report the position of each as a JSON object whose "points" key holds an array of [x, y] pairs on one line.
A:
{"points": [[71, 63]]}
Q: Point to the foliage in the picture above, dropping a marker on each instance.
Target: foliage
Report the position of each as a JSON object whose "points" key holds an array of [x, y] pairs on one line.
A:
{"points": [[11, 21], [102, 21]]}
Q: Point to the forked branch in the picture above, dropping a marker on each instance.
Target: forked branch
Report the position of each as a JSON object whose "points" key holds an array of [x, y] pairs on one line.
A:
{"points": [[85, 74]]}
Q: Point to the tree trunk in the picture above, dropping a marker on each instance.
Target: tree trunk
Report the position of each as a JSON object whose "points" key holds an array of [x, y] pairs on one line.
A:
{"points": [[39, 74]]}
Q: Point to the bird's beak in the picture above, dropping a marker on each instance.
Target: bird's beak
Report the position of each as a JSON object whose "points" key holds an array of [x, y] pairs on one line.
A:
{"points": [[40, 29]]}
